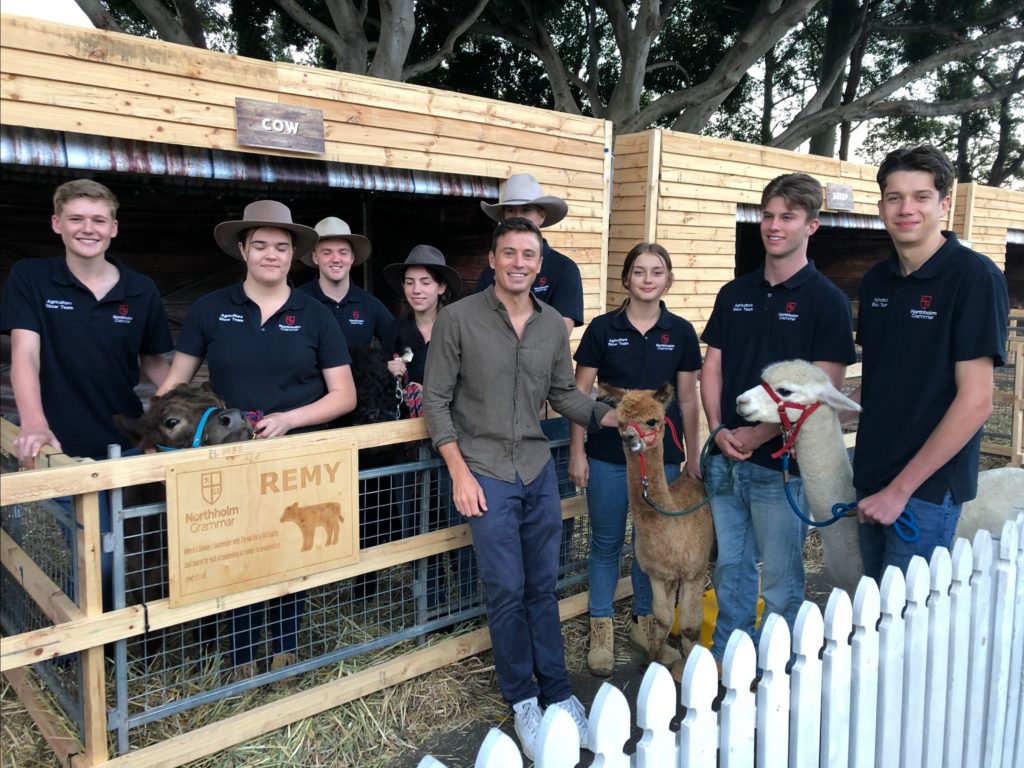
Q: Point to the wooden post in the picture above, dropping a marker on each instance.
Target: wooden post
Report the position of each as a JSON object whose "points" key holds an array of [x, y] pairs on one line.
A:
{"points": [[90, 590]]}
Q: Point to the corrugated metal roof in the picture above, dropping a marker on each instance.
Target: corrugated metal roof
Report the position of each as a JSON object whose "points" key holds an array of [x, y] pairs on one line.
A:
{"points": [[57, 149], [751, 214]]}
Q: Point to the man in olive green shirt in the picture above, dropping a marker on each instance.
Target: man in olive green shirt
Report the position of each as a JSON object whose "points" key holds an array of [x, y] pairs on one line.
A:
{"points": [[495, 357]]}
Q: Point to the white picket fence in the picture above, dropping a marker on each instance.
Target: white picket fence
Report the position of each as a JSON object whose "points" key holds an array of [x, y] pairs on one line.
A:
{"points": [[925, 671]]}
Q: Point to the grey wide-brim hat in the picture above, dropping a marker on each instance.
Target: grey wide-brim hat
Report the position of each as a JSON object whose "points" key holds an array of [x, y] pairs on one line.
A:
{"points": [[424, 256], [264, 213], [331, 227], [523, 189]]}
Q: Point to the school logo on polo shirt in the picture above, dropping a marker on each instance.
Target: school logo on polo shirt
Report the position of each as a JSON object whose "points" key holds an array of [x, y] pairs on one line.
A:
{"points": [[289, 324], [123, 315], [790, 313], [665, 343], [354, 319], [925, 312], [541, 286]]}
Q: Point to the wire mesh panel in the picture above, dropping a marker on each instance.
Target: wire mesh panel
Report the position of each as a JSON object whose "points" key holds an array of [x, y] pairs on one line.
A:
{"points": [[43, 529]]}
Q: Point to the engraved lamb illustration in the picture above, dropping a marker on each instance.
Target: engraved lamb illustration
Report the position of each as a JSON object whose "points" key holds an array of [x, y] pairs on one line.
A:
{"points": [[326, 514]]}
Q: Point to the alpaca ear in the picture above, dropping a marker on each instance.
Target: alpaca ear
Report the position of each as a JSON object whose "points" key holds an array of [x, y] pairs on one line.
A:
{"points": [[838, 401], [664, 394], [606, 393]]}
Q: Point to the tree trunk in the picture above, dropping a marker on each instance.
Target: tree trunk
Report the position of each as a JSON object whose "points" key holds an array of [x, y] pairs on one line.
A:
{"points": [[963, 143], [397, 26], [768, 102], [841, 19]]}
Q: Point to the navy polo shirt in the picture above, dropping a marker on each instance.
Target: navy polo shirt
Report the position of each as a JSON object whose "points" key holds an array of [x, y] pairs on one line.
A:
{"points": [[360, 315], [914, 329], [89, 350], [272, 367], [755, 324], [625, 358], [558, 284]]}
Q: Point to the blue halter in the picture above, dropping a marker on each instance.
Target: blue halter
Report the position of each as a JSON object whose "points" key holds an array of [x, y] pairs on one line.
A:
{"points": [[197, 439]]}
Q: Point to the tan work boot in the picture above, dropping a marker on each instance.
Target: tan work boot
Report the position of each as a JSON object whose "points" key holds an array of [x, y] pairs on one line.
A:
{"points": [[640, 638], [601, 658]]}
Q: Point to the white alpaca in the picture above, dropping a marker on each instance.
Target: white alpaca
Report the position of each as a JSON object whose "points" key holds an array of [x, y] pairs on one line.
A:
{"points": [[824, 466], [828, 476]]}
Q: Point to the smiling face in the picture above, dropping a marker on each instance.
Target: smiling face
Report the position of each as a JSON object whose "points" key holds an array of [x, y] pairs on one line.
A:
{"points": [[267, 253], [516, 260], [648, 278], [912, 209], [422, 291], [785, 230], [86, 226], [334, 258]]}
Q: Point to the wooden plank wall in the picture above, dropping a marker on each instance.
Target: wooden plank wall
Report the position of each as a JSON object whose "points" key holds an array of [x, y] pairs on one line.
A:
{"points": [[698, 183], [984, 214], [71, 79]]}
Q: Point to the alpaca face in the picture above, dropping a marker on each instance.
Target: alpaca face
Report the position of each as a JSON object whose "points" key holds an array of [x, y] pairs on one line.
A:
{"points": [[640, 414], [795, 381]]}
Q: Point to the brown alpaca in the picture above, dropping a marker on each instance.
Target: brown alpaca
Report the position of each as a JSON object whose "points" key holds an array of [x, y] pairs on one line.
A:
{"points": [[673, 550]]}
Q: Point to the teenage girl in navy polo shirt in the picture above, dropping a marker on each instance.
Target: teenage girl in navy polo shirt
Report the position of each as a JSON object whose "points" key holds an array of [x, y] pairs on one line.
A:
{"points": [[272, 351], [641, 345]]}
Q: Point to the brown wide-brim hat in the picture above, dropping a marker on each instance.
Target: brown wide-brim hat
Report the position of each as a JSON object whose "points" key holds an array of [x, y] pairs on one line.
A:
{"points": [[264, 213], [424, 256], [523, 189], [332, 227]]}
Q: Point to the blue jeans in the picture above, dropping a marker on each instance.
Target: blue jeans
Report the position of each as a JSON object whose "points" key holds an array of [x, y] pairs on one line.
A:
{"points": [[516, 542], [753, 520], [881, 547], [607, 505]]}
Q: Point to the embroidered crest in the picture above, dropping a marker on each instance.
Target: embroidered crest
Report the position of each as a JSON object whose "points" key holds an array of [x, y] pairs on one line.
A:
{"points": [[926, 301], [542, 281], [664, 338], [791, 306], [355, 314], [289, 319], [123, 310]]}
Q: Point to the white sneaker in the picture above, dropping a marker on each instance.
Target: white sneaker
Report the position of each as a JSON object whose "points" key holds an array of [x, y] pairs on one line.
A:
{"points": [[574, 707], [528, 717]]}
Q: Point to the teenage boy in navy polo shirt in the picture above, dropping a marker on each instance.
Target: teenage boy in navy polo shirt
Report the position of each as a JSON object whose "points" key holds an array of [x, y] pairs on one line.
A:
{"points": [[932, 325], [83, 328], [360, 315], [784, 310]]}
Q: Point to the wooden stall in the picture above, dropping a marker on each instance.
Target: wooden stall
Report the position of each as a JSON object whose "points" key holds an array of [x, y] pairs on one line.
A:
{"points": [[140, 108], [698, 197], [992, 219]]}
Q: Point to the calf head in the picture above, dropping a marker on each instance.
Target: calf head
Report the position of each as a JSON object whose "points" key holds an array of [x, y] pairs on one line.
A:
{"points": [[172, 419], [640, 413]]}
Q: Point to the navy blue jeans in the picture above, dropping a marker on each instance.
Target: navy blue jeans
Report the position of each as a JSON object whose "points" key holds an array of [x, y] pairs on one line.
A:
{"points": [[881, 547], [516, 542]]}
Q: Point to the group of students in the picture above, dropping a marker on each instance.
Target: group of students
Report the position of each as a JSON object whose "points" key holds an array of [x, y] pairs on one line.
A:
{"points": [[932, 326]]}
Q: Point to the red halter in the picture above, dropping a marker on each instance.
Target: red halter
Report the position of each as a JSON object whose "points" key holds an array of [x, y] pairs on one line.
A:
{"points": [[789, 428]]}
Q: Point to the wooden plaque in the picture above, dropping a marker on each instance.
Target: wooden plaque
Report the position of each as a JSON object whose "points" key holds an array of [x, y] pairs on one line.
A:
{"points": [[241, 522], [839, 197], [279, 126]]}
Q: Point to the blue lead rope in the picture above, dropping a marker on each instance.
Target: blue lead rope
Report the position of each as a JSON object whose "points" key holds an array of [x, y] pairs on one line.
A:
{"points": [[197, 438], [905, 525]]}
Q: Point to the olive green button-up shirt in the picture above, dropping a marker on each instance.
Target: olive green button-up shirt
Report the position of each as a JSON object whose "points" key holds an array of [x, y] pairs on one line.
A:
{"points": [[484, 386]]}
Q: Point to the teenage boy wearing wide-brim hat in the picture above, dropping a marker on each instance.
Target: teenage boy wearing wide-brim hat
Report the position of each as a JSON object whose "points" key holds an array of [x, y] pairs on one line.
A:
{"points": [[558, 282], [360, 315]]}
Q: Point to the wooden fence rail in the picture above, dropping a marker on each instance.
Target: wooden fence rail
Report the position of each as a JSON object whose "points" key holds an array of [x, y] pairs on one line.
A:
{"points": [[919, 671]]}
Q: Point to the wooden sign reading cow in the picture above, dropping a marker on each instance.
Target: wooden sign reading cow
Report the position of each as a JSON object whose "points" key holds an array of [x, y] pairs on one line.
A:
{"points": [[241, 522]]}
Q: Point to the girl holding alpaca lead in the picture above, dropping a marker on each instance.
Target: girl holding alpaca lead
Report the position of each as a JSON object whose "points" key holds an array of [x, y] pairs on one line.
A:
{"points": [[641, 345]]}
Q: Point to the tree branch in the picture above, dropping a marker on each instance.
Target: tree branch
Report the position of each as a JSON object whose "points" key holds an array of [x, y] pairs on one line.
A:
{"points": [[793, 136], [167, 27], [343, 54], [447, 47], [191, 21], [771, 21], [872, 104], [98, 15]]}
